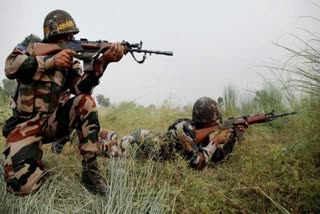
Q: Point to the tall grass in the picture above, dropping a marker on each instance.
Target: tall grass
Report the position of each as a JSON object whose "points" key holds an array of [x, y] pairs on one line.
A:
{"points": [[125, 117], [230, 100], [134, 188], [300, 77], [267, 99], [303, 66]]}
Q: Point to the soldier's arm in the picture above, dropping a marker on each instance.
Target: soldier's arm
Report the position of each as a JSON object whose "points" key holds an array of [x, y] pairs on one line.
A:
{"points": [[89, 80], [19, 64], [22, 64], [183, 133]]}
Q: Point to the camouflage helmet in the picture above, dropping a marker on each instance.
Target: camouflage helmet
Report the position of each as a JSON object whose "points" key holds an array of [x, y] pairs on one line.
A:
{"points": [[58, 22], [206, 110]]}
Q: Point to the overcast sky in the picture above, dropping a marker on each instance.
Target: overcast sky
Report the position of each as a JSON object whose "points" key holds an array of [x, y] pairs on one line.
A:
{"points": [[215, 43]]}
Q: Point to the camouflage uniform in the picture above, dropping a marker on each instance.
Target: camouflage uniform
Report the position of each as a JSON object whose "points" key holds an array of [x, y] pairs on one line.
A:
{"points": [[181, 135], [205, 112], [179, 139], [40, 115], [145, 144]]}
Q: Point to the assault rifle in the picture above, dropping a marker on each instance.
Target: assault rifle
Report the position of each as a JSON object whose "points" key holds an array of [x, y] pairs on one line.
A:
{"points": [[234, 122], [90, 50]]}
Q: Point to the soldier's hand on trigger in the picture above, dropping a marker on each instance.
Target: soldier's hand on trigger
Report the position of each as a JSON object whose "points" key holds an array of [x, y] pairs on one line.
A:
{"points": [[63, 59], [113, 54], [222, 137]]}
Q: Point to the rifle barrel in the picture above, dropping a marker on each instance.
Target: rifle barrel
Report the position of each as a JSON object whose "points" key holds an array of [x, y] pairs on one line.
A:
{"points": [[167, 53], [285, 114]]}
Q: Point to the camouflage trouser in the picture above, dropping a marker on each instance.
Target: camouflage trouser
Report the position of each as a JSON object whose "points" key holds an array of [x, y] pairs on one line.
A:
{"points": [[23, 152]]}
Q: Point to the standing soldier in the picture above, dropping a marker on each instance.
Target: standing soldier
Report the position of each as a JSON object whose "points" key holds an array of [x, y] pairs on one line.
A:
{"points": [[40, 117]]}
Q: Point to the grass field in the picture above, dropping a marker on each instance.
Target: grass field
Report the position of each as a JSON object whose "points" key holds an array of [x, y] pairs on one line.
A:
{"points": [[275, 170]]}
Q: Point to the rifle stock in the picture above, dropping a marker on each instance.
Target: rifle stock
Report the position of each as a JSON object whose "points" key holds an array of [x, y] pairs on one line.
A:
{"points": [[200, 134], [42, 49]]}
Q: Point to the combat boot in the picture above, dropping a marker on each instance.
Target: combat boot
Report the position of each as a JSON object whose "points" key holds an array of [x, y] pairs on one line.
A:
{"points": [[91, 177]]}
